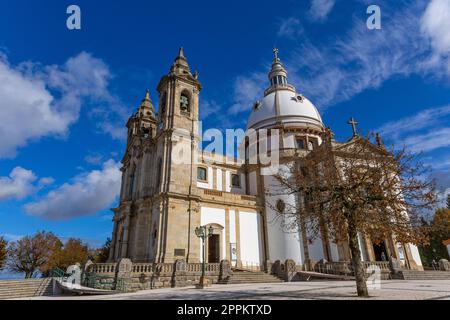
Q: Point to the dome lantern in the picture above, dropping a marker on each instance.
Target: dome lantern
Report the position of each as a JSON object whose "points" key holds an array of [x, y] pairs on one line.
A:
{"points": [[278, 76], [282, 105]]}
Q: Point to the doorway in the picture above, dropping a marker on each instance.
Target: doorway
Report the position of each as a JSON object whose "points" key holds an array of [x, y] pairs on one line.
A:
{"points": [[214, 249], [380, 252]]}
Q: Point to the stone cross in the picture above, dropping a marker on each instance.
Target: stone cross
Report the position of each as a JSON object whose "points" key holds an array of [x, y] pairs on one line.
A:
{"points": [[275, 53], [353, 123]]}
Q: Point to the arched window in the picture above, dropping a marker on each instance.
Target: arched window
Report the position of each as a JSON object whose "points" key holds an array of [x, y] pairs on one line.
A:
{"points": [[185, 103], [281, 206], [163, 103], [235, 181], [132, 185], [158, 180]]}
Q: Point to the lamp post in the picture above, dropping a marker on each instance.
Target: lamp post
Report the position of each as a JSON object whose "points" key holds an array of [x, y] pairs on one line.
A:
{"points": [[203, 234]]}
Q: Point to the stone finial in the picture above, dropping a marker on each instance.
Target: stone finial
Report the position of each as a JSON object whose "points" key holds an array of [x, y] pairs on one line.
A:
{"points": [[181, 53], [379, 140]]}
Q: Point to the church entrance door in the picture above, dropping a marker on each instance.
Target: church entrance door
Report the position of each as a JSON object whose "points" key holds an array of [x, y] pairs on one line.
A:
{"points": [[380, 251], [214, 249]]}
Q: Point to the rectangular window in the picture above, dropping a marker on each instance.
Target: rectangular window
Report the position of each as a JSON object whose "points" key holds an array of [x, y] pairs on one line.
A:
{"points": [[313, 143], [179, 252], [301, 144], [202, 174], [235, 181]]}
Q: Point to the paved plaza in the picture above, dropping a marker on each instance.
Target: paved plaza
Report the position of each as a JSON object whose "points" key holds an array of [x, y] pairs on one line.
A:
{"points": [[323, 290]]}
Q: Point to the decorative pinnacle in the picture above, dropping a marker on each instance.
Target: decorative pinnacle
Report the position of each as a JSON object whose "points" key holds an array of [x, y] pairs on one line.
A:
{"points": [[379, 140], [181, 53]]}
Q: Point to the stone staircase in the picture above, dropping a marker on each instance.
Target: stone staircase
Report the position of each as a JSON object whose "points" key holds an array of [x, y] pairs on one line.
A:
{"points": [[11, 289], [425, 275], [240, 277]]}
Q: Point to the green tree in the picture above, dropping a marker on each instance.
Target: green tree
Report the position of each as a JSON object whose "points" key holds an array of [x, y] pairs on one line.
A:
{"points": [[67, 254], [448, 202], [30, 253], [3, 252], [101, 255], [438, 230]]}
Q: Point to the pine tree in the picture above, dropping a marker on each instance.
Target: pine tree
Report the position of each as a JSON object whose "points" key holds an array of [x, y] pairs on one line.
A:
{"points": [[3, 252], [448, 202]]}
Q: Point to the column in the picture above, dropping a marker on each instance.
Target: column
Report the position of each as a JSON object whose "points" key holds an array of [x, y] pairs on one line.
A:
{"points": [[112, 249], [238, 239], [126, 236]]}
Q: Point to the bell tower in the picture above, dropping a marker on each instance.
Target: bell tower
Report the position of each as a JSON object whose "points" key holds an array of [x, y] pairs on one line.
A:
{"points": [[177, 131], [178, 96], [177, 139]]}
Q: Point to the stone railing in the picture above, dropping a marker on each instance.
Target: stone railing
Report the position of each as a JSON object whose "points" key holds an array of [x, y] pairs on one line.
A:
{"points": [[128, 276], [383, 265], [346, 267], [209, 267], [142, 268], [338, 268], [102, 268]]}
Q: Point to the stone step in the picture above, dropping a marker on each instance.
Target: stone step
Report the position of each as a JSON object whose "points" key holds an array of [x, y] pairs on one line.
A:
{"points": [[426, 275], [10, 289], [25, 289], [22, 285], [241, 277]]}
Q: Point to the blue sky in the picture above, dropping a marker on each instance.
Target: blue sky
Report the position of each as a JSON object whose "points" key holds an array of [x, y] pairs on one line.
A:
{"points": [[65, 95]]}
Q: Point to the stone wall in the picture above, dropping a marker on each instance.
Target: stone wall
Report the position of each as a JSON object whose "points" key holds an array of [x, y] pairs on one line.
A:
{"points": [[128, 276]]}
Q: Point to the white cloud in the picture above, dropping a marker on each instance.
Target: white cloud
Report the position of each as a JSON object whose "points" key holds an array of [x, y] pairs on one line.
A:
{"points": [[428, 118], [209, 108], [247, 89], [38, 101], [290, 27], [321, 8], [435, 139], [442, 198], [95, 159], [18, 185], [85, 195], [435, 24], [27, 110], [364, 59], [11, 237]]}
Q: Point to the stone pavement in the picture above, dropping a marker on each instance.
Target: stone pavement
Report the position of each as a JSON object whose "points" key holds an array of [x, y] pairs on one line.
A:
{"points": [[323, 290]]}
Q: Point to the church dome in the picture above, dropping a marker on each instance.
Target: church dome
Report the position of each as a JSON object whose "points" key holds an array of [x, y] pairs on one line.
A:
{"points": [[282, 105]]}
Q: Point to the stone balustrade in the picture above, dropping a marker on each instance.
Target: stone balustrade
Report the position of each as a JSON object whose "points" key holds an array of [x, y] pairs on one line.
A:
{"points": [[136, 276], [346, 267], [143, 268], [209, 267], [102, 268]]}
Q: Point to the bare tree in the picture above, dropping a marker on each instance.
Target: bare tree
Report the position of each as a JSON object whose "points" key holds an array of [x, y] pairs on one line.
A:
{"points": [[357, 187], [30, 253], [3, 252]]}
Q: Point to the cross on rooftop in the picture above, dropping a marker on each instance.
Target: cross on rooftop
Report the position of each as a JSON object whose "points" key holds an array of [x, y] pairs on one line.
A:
{"points": [[353, 123]]}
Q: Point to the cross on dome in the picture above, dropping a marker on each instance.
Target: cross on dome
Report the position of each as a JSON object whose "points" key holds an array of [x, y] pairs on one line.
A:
{"points": [[275, 54]]}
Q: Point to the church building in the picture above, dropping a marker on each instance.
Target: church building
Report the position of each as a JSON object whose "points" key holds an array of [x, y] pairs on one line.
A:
{"points": [[163, 201]]}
